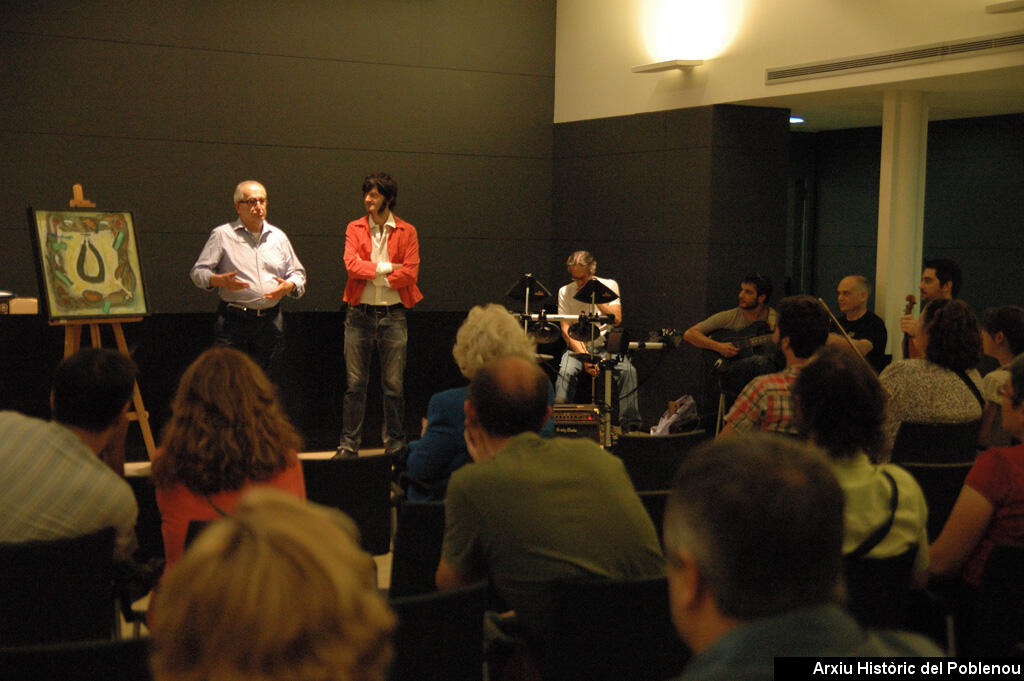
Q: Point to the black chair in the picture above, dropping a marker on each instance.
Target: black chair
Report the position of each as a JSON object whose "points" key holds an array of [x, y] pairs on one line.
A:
{"points": [[939, 456], [611, 629], [147, 525], [440, 635], [998, 626], [77, 661], [941, 484], [417, 549], [878, 589], [936, 443], [57, 590], [654, 501], [651, 462], [359, 487]]}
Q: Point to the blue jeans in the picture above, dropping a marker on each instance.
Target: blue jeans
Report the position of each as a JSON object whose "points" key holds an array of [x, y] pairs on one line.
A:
{"points": [[625, 381], [386, 331]]}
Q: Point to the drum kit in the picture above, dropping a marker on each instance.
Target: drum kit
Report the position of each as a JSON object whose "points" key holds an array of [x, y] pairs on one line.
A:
{"points": [[584, 327]]}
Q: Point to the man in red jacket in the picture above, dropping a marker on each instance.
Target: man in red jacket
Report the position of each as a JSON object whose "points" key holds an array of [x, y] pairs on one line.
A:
{"points": [[382, 257]]}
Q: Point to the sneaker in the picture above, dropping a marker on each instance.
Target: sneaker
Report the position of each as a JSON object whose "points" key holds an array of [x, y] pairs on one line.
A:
{"points": [[345, 453]]}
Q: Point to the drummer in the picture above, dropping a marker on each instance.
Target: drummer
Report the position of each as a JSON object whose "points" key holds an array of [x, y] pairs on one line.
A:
{"points": [[588, 340]]}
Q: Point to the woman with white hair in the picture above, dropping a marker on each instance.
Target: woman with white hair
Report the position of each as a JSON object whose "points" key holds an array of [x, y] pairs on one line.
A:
{"points": [[277, 590], [489, 331]]}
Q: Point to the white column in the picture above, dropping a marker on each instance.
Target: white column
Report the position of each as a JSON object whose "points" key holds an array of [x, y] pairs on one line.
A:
{"points": [[900, 208]]}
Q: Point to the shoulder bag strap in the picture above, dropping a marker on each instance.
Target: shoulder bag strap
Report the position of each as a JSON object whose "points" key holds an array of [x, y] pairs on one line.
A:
{"points": [[876, 537]]}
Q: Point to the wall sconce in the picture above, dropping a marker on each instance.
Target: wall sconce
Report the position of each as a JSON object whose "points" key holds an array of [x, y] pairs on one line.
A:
{"points": [[681, 64]]}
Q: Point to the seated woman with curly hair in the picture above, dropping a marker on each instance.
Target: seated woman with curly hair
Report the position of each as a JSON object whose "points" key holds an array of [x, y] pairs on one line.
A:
{"points": [[227, 433], [277, 590], [840, 408], [489, 331], [944, 385]]}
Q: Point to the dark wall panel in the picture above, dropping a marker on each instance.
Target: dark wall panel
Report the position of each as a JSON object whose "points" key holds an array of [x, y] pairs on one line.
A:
{"points": [[972, 212], [676, 206], [161, 111]]}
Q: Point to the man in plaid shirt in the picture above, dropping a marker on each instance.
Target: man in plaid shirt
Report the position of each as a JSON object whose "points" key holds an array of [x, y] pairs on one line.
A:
{"points": [[766, 403]]}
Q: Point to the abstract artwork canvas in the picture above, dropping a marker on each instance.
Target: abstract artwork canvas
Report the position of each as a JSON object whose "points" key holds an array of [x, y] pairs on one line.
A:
{"points": [[88, 264]]}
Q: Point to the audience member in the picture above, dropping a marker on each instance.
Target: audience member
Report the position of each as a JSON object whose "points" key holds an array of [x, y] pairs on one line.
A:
{"points": [[1002, 337], [943, 385], [227, 432], [53, 484], [753, 537], [488, 332], [277, 590], [767, 401], [530, 510], [990, 508], [840, 408]]}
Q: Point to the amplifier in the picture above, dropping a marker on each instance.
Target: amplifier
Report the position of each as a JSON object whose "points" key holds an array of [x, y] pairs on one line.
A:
{"points": [[578, 420]]}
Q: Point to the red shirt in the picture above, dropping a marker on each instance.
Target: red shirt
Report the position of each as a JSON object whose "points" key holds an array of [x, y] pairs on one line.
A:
{"points": [[998, 475], [403, 252], [179, 505]]}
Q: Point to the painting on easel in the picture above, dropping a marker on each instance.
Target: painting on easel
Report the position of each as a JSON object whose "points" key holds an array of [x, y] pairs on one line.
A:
{"points": [[88, 263]]}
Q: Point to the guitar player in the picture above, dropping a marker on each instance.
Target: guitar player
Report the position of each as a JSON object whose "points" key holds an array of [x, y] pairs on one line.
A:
{"points": [[733, 336], [751, 318]]}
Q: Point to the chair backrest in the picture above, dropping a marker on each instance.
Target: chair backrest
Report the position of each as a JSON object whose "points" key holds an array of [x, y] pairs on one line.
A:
{"points": [[654, 501], [417, 550], [359, 487], [611, 629], [652, 462], [77, 661], [147, 525], [57, 590], [878, 589], [440, 635], [998, 626], [936, 442], [941, 484]]}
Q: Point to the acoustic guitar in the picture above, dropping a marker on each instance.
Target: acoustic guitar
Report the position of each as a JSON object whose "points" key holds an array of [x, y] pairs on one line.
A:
{"points": [[750, 339]]}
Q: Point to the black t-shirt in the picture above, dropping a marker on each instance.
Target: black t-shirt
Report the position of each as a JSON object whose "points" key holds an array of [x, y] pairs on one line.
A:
{"points": [[869, 327]]}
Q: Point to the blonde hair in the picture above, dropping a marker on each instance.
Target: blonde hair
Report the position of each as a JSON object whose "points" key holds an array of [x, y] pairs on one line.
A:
{"points": [[226, 427], [278, 590], [490, 331]]}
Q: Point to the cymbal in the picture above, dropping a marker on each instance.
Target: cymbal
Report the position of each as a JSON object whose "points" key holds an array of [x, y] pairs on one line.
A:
{"points": [[595, 291], [528, 282], [584, 331], [545, 332], [586, 358]]}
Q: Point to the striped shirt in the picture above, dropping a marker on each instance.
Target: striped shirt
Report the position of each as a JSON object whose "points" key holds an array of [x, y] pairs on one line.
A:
{"points": [[52, 486], [767, 404]]}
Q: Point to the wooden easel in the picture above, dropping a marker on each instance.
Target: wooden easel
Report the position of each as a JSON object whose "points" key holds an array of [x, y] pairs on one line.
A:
{"points": [[73, 341]]}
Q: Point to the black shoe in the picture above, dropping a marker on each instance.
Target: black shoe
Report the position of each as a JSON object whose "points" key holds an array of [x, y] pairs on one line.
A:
{"points": [[345, 453]]}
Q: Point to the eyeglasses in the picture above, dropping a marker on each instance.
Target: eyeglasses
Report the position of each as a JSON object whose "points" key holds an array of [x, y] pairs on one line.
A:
{"points": [[255, 201]]}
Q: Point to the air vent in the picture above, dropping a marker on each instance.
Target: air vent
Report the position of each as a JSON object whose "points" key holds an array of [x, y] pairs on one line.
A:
{"points": [[885, 60]]}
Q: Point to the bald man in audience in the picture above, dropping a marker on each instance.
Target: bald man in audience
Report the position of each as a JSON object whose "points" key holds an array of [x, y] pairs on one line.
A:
{"points": [[529, 510]]}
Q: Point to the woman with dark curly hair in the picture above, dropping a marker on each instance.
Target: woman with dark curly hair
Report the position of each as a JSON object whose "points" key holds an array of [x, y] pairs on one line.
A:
{"points": [[944, 385], [840, 408], [227, 433]]}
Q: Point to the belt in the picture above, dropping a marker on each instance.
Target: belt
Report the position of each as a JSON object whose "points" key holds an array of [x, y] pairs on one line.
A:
{"points": [[368, 308], [238, 308]]}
